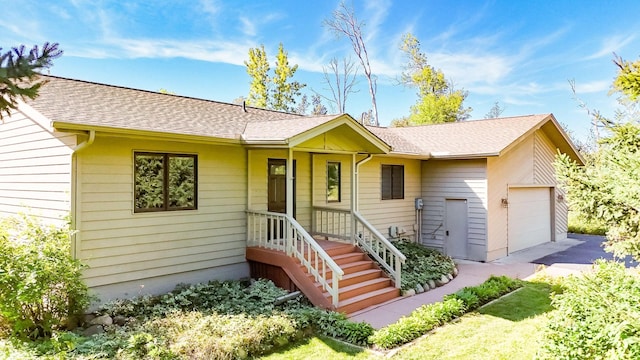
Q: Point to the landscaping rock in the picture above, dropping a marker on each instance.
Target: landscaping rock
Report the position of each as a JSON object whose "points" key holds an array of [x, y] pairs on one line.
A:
{"points": [[102, 320], [426, 286], [419, 289], [450, 276], [88, 317], [432, 284], [120, 320], [455, 271], [443, 280], [93, 330], [409, 292]]}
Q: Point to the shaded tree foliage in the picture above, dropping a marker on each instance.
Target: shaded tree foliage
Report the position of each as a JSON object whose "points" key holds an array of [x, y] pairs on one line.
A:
{"points": [[607, 187], [19, 72]]}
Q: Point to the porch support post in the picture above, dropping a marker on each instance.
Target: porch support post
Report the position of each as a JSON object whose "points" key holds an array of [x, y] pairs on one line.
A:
{"points": [[354, 197], [290, 200]]}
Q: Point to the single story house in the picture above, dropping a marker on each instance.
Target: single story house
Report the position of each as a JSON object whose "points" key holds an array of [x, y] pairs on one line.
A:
{"points": [[164, 189]]}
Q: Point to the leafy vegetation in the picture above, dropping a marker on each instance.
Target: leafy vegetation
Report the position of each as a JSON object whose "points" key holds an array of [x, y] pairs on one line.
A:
{"points": [[605, 189], [19, 71], [40, 283], [580, 225], [428, 317], [509, 328], [597, 316], [422, 264]]}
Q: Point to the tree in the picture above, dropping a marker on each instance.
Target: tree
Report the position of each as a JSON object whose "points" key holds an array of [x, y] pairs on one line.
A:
{"points": [[303, 105], [607, 187], [628, 79], [344, 23], [340, 82], [495, 111], [19, 73], [438, 101], [284, 91], [275, 92], [318, 108], [258, 69]]}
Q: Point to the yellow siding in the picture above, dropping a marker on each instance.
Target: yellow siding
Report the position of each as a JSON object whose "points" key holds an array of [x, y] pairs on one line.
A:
{"points": [[385, 213], [544, 173], [120, 245], [320, 180], [455, 179], [35, 169]]}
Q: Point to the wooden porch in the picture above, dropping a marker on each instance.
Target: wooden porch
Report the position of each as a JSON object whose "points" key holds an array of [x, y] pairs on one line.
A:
{"points": [[334, 274]]}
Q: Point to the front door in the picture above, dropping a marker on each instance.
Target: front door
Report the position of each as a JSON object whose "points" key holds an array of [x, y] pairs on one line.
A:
{"points": [[456, 228], [277, 201]]}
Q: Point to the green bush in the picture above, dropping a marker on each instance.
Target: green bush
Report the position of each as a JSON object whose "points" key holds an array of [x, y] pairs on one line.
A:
{"points": [[476, 296], [40, 283], [597, 316], [422, 264], [418, 323], [428, 317]]}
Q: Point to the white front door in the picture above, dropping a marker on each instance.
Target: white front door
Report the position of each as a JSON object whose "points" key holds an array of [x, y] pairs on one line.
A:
{"points": [[456, 231]]}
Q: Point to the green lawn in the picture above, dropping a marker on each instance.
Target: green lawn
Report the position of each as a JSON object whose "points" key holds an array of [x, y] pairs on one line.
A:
{"points": [[508, 328]]}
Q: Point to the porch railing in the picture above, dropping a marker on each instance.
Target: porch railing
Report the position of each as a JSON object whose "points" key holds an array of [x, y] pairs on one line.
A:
{"points": [[281, 232], [342, 224]]}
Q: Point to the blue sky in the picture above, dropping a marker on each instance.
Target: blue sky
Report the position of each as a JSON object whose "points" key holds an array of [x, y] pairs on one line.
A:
{"points": [[520, 53]]}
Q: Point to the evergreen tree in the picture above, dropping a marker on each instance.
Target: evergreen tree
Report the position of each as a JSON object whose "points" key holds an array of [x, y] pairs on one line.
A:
{"points": [[318, 107], [19, 73], [606, 188]]}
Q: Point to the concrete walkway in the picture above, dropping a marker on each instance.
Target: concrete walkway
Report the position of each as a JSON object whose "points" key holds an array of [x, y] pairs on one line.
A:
{"points": [[518, 265]]}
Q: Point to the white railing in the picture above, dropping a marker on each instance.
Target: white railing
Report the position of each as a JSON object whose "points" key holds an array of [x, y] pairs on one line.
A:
{"points": [[281, 232], [341, 224]]}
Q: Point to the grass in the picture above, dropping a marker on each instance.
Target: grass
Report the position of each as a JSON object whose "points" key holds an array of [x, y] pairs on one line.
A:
{"points": [[508, 328], [578, 225], [505, 329], [322, 348]]}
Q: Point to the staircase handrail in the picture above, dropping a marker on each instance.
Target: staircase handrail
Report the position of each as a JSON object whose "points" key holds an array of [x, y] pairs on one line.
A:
{"points": [[301, 245]]}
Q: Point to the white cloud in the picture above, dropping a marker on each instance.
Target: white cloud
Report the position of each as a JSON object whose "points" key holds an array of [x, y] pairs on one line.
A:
{"points": [[610, 45], [598, 86], [248, 27]]}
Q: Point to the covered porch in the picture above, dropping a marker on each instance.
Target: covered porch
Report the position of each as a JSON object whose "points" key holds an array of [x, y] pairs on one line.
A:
{"points": [[303, 212]]}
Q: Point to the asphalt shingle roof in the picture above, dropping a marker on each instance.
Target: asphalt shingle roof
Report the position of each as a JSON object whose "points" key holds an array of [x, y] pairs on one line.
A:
{"points": [[465, 138], [86, 103]]}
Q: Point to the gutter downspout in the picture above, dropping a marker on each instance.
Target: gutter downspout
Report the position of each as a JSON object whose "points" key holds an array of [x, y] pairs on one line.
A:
{"points": [[357, 180], [75, 191]]}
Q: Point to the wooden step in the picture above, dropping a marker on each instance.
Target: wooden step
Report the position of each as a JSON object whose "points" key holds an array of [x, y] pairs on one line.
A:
{"points": [[369, 299], [368, 286], [360, 276]]}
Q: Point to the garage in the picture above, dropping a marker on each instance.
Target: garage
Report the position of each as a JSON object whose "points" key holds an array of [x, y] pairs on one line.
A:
{"points": [[529, 218]]}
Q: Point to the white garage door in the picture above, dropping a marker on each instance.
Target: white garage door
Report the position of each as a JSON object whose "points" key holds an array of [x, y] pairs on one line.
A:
{"points": [[529, 217]]}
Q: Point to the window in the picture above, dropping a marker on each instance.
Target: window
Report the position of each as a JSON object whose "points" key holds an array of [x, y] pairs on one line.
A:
{"points": [[392, 182], [165, 182], [333, 182]]}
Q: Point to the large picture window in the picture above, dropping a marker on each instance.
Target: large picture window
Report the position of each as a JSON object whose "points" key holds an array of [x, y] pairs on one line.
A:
{"points": [[333, 182], [392, 182], [165, 182]]}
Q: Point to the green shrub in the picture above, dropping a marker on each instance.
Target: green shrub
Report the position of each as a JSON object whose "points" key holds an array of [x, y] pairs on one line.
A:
{"points": [[337, 325], [476, 296], [428, 317], [40, 283], [580, 225], [597, 316], [422, 264], [418, 323]]}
